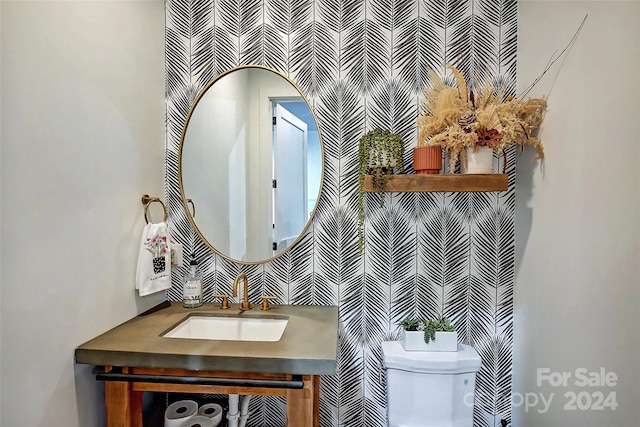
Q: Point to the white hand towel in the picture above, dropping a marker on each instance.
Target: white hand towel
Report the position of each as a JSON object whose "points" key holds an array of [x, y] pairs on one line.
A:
{"points": [[154, 260]]}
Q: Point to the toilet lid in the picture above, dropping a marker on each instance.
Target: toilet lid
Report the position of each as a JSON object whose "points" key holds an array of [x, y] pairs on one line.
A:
{"points": [[466, 359]]}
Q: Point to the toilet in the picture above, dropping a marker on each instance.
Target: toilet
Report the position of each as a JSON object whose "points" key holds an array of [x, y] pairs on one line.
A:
{"points": [[430, 389]]}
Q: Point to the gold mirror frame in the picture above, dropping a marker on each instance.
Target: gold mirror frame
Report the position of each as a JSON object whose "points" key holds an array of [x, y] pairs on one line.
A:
{"points": [[186, 200]]}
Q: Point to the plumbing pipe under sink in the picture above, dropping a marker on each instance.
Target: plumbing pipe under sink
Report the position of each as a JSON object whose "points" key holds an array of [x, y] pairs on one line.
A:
{"points": [[238, 418], [232, 414], [244, 410]]}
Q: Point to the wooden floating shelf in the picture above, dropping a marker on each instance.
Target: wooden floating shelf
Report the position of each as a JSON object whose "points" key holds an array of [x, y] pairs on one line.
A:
{"points": [[440, 182]]}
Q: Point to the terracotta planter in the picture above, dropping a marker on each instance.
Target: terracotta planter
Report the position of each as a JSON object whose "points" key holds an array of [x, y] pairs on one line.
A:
{"points": [[427, 160], [480, 162], [414, 341]]}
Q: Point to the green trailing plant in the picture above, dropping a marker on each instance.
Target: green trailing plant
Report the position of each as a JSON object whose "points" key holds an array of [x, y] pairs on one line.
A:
{"points": [[430, 327], [379, 152]]}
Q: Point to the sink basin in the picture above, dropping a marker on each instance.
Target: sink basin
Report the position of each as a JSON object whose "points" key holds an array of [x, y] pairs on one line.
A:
{"points": [[230, 328]]}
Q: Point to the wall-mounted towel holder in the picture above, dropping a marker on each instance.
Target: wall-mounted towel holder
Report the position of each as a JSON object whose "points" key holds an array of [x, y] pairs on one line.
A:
{"points": [[193, 208], [147, 200]]}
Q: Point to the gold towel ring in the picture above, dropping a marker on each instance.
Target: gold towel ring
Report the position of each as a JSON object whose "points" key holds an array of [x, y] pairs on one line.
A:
{"points": [[193, 210], [147, 200]]}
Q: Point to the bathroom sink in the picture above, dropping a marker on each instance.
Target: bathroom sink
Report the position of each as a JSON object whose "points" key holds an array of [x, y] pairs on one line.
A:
{"points": [[230, 328]]}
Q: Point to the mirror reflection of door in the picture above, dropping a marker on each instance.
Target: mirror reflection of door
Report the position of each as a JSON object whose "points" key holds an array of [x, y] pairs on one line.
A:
{"points": [[226, 164], [290, 201]]}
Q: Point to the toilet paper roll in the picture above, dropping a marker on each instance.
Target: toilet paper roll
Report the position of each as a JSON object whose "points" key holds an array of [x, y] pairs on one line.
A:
{"points": [[198, 421], [213, 411], [179, 412]]}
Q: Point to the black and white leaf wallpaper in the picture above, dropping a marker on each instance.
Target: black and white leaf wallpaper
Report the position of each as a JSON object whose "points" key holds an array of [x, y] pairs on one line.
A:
{"points": [[363, 64]]}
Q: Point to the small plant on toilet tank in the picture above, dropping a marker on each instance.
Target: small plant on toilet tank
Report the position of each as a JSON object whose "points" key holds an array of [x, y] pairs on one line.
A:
{"points": [[429, 335]]}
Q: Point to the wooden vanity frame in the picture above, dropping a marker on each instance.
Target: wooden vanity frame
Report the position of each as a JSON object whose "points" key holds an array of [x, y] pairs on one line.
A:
{"points": [[123, 399], [137, 357]]}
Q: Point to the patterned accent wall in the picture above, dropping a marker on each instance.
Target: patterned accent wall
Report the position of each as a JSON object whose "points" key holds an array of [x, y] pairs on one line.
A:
{"points": [[363, 64]]}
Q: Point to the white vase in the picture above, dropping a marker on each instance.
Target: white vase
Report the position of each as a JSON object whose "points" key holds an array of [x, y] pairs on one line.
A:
{"points": [[414, 341], [381, 160], [479, 162]]}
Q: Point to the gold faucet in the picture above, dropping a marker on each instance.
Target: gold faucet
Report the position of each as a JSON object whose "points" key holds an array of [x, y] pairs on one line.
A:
{"points": [[245, 302]]}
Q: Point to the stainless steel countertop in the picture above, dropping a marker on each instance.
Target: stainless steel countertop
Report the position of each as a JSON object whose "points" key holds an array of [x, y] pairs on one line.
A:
{"points": [[307, 346]]}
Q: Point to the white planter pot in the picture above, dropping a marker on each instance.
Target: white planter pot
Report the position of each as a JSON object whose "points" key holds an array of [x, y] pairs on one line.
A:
{"points": [[480, 161], [414, 341], [381, 160]]}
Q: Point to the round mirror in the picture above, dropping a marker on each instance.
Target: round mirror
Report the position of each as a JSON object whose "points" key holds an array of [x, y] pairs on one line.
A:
{"points": [[251, 161]]}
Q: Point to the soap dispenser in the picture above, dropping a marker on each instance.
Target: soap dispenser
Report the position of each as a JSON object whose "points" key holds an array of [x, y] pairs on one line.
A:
{"points": [[192, 295]]}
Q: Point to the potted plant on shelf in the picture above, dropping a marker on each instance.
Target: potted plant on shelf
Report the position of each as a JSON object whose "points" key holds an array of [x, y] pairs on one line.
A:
{"points": [[379, 153], [427, 159], [429, 335], [463, 122]]}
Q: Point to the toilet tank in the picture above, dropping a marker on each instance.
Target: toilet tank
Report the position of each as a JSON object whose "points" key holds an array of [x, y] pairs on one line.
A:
{"points": [[430, 389]]}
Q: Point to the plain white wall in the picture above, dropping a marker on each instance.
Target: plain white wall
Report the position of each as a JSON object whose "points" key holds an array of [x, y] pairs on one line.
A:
{"points": [[82, 140], [578, 240]]}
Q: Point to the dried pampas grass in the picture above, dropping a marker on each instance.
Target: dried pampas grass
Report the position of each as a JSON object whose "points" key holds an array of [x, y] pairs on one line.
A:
{"points": [[453, 117]]}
